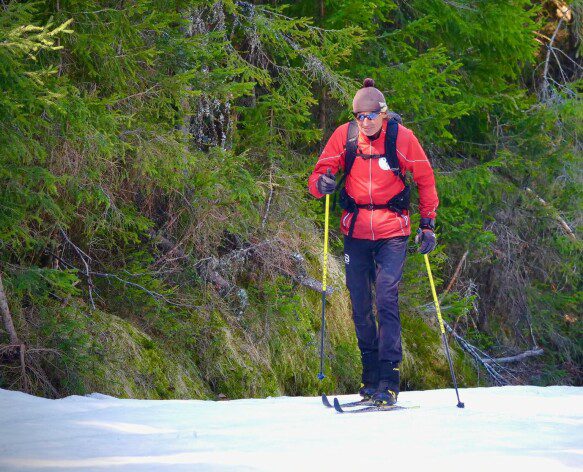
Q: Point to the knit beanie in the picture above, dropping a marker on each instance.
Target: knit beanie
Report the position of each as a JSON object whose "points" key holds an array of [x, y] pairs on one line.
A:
{"points": [[369, 98]]}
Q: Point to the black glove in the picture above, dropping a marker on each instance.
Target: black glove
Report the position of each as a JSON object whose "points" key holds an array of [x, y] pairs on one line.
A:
{"points": [[326, 183], [425, 236]]}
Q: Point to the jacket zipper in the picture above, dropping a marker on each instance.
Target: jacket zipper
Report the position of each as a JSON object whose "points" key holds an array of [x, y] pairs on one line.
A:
{"points": [[370, 186]]}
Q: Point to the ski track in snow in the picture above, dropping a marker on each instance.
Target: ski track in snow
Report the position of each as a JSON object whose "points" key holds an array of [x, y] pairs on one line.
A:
{"points": [[501, 429]]}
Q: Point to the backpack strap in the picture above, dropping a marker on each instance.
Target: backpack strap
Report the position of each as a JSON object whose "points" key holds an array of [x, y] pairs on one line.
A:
{"points": [[400, 201], [351, 148], [391, 148]]}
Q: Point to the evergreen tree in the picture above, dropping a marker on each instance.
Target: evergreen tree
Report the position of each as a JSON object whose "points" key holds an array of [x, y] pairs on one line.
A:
{"points": [[156, 238]]}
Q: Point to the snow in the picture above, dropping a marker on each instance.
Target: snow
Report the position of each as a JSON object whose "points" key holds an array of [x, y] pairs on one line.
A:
{"points": [[506, 428]]}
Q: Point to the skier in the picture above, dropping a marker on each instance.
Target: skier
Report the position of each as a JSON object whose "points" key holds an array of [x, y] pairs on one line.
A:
{"points": [[375, 152]]}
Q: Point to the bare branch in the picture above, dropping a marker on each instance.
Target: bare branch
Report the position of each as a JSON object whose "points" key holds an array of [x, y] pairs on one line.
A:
{"points": [[23, 368], [153, 294], [6, 316], [459, 5], [518, 357], [269, 199], [555, 214], [478, 355], [547, 60], [313, 284], [84, 258], [455, 274]]}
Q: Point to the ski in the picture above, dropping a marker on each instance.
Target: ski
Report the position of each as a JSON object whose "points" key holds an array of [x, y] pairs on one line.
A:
{"points": [[327, 403], [368, 409]]}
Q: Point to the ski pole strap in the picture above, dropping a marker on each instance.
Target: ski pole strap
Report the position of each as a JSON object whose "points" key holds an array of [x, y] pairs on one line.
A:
{"points": [[435, 300]]}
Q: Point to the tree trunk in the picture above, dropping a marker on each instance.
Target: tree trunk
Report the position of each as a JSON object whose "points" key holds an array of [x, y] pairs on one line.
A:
{"points": [[6, 317]]}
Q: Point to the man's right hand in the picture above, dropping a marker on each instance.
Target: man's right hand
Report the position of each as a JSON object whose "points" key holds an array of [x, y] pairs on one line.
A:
{"points": [[326, 183]]}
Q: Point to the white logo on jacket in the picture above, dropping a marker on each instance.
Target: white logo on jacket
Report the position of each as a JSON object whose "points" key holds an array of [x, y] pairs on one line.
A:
{"points": [[384, 164]]}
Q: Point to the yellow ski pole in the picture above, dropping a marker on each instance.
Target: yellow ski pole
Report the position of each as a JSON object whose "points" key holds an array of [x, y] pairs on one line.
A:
{"points": [[324, 273], [441, 327]]}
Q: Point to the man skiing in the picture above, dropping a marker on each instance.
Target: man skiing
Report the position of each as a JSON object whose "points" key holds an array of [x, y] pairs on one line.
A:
{"points": [[375, 153]]}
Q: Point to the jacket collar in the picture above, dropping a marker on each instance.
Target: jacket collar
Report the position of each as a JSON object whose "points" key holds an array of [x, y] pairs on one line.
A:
{"points": [[379, 133]]}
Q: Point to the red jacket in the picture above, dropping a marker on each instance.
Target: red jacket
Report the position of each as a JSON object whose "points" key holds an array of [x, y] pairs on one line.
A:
{"points": [[369, 182]]}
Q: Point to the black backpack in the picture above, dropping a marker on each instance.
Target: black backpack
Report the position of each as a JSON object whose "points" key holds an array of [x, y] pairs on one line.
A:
{"points": [[399, 202]]}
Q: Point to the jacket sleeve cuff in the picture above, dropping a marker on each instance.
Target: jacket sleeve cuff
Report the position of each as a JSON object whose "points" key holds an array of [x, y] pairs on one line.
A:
{"points": [[315, 193], [427, 223], [313, 186], [428, 214]]}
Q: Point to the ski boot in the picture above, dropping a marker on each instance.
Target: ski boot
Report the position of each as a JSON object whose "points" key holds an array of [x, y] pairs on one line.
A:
{"points": [[388, 388], [370, 374], [367, 391], [384, 396]]}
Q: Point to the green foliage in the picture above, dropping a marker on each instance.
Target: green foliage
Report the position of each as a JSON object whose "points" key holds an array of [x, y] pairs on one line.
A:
{"points": [[424, 361], [299, 56], [39, 283], [27, 188], [149, 147], [470, 196], [106, 354], [442, 66]]}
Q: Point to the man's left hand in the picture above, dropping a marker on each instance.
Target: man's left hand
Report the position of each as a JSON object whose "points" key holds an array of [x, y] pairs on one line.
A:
{"points": [[425, 236]]}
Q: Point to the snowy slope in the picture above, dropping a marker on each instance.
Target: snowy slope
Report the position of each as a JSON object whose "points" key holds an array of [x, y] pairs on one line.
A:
{"points": [[507, 428]]}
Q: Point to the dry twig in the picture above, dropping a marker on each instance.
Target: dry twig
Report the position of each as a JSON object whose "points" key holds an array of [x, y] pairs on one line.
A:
{"points": [[545, 90], [84, 258], [455, 275], [555, 214]]}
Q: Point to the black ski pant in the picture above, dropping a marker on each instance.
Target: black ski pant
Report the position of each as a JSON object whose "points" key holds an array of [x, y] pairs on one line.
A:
{"points": [[380, 263]]}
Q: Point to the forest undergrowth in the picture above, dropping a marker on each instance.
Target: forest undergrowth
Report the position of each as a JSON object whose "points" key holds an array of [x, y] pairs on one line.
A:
{"points": [[157, 239]]}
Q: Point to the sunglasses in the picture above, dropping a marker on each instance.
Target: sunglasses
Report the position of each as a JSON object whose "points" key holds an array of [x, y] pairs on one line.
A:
{"points": [[370, 116]]}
